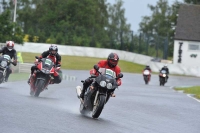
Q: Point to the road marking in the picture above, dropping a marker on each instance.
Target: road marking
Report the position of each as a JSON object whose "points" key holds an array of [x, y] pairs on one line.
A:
{"points": [[69, 78], [191, 96]]}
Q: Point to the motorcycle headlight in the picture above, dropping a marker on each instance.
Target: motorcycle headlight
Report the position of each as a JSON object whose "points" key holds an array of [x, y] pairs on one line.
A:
{"points": [[164, 75], [3, 63], [45, 71], [109, 86], [103, 83]]}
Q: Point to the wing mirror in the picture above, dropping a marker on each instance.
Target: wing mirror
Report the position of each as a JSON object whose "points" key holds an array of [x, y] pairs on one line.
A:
{"points": [[96, 67], [36, 57], [58, 65], [120, 75]]}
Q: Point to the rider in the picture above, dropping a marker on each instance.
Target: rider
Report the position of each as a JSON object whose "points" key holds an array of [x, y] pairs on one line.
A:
{"points": [[147, 67], [56, 58], [110, 63], [166, 69], [9, 50]]}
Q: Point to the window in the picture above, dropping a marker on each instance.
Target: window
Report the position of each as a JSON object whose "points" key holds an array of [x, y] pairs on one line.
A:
{"points": [[194, 47]]}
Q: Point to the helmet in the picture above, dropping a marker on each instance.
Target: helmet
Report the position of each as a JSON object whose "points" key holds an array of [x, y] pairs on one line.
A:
{"points": [[53, 49], [165, 66], [113, 59], [10, 45], [147, 66]]}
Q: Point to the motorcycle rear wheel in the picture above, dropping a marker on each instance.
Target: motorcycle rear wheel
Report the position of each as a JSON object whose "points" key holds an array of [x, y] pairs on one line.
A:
{"points": [[97, 109]]}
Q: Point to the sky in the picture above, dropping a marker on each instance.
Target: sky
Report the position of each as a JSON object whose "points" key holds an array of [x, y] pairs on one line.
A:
{"points": [[135, 9]]}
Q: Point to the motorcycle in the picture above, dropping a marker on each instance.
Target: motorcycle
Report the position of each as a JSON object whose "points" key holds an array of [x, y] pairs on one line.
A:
{"points": [[146, 75], [98, 94], [5, 61], [42, 76], [163, 77]]}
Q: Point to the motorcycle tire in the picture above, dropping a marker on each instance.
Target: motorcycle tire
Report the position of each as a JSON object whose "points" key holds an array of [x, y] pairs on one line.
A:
{"points": [[146, 80], [1, 78], [40, 85], [97, 109], [82, 109]]}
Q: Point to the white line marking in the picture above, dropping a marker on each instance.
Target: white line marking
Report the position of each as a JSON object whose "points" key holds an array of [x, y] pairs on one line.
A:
{"points": [[189, 95]]}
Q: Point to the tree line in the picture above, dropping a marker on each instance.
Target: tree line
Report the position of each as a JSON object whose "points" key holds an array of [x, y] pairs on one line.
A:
{"points": [[93, 23]]}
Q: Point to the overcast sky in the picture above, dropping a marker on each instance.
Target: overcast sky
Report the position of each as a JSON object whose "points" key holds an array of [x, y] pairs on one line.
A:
{"points": [[135, 9]]}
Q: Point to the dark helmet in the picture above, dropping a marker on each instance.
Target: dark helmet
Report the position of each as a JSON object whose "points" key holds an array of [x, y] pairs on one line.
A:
{"points": [[113, 59], [147, 66], [53, 49]]}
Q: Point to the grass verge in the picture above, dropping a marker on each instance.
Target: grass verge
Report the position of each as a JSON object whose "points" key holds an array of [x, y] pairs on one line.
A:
{"points": [[18, 77], [85, 63], [190, 90]]}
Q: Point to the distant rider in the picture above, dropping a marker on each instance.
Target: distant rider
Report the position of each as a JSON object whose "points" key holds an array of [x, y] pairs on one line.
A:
{"points": [[9, 50], [110, 63], [147, 67], [52, 53], [167, 71]]}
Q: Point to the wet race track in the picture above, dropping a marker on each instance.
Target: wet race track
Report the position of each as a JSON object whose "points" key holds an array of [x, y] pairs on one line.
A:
{"points": [[137, 108]]}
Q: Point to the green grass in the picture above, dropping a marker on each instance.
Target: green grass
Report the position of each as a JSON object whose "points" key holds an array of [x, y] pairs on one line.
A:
{"points": [[190, 90], [84, 63], [18, 76]]}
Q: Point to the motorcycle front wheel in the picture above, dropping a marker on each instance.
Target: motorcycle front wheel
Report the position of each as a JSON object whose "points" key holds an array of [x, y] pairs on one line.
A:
{"points": [[97, 109], [1, 78], [40, 86], [146, 79]]}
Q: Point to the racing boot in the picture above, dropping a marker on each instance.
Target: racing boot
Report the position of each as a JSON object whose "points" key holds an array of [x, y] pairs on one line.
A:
{"points": [[82, 93], [112, 94]]}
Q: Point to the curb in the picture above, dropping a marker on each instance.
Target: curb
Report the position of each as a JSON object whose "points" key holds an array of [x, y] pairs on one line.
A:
{"points": [[189, 95]]}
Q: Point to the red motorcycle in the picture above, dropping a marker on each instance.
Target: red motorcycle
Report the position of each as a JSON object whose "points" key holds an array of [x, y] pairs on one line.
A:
{"points": [[42, 76], [146, 75]]}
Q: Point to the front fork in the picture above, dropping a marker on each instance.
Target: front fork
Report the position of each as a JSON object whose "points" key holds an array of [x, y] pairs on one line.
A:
{"points": [[96, 97]]}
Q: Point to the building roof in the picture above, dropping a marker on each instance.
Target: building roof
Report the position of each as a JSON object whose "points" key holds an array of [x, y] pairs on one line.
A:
{"points": [[188, 23]]}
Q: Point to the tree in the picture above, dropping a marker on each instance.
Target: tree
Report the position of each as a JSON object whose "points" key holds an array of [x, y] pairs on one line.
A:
{"points": [[118, 30], [160, 22], [9, 30], [192, 1]]}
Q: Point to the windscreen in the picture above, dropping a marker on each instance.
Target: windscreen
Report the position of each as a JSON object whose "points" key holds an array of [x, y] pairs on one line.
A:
{"points": [[163, 71], [48, 63], [107, 72], [6, 57]]}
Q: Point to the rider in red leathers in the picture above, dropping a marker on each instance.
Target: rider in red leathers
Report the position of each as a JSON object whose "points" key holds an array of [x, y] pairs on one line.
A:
{"points": [[110, 63], [147, 67]]}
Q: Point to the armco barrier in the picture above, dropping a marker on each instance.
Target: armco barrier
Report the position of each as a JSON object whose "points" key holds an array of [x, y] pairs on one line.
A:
{"points": [[103, 53]]}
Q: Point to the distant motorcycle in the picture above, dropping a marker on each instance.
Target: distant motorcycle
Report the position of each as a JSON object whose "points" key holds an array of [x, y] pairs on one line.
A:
{"points": [[146, 75], [42, 76], [163, 77], [5, 61], [99, 93]]}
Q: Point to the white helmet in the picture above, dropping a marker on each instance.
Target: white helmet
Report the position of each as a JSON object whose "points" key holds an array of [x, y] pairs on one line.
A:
{"points": [[165, 65], [10, 45]]}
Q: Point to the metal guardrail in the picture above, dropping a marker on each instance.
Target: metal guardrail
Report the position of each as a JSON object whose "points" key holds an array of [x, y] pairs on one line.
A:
{"points": [[26, 68]]}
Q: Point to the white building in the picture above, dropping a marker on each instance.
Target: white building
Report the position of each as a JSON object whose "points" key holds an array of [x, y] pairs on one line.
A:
{"points": [[187, 36]]}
